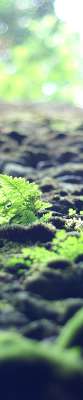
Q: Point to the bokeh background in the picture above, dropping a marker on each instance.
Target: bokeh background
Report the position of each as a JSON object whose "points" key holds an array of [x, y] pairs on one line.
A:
{"points": [[41, 50]]}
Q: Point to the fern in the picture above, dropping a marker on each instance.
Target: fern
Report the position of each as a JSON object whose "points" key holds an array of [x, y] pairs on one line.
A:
{"points": [[20, 201]]}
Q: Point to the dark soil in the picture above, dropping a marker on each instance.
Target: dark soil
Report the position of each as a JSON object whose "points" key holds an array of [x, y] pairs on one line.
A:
{"points": [[43, 143]]}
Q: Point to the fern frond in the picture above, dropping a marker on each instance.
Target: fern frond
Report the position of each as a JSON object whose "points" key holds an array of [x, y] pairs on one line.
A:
{"points": [[20, 201]]}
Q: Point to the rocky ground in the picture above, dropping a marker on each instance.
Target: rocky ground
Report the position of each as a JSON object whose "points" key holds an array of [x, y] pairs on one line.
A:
{"points": [[41, 307]]}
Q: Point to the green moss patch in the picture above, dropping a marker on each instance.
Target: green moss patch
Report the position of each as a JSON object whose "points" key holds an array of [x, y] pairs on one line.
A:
{"points": [[63, 246]]}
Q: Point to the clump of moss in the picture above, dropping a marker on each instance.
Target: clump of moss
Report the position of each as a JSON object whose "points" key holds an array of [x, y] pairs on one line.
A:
{"points": [[35, 257], [20, 201], [64, 245]]}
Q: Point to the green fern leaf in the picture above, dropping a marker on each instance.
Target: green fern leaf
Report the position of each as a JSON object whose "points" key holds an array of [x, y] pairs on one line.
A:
{"points": [[20, 201]]}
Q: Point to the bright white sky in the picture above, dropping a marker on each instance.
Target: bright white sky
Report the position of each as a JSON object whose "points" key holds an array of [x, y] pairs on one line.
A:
{"points": [[71, 11]]}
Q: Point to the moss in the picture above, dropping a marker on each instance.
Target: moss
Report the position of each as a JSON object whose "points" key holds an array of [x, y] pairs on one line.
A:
{"points": [[63, 246], [28, 257], [36, 232], [63, 361], [20, 201]]}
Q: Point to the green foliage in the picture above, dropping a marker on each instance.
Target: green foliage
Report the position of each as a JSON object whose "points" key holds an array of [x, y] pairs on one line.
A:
{"points": [[67, 245], [38, 54], [20, 201]]}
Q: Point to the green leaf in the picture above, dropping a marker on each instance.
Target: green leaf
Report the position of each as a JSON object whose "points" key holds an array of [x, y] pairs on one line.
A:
{"points": [[20, 201]]}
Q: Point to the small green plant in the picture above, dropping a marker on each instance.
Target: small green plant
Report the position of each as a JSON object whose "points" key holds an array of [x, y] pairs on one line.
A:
{"points": [[66, 245], [20, 201]]}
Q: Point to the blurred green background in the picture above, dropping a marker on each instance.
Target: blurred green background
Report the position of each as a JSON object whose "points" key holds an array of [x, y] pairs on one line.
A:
{"points": [[40, 56]]}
